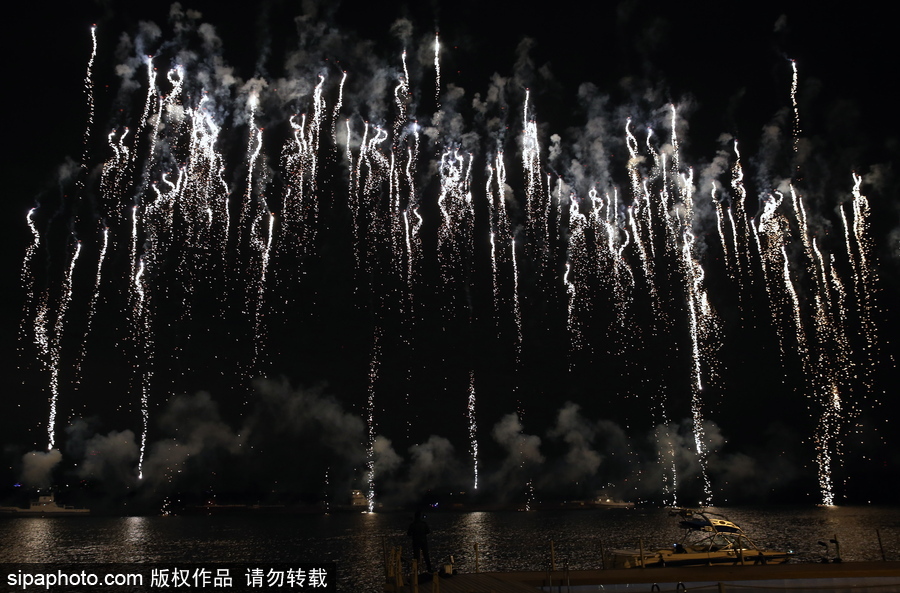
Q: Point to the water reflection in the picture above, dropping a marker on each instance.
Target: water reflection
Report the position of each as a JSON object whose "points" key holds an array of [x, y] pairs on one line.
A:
{"points": [[357, 542], [136, 533], [29, 540]]}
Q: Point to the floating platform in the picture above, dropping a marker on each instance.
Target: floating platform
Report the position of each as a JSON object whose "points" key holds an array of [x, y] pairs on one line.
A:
{"points": [[849, 576]]}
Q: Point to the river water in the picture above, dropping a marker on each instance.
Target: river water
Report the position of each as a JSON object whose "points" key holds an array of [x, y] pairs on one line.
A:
{"points": [[355, 541]]}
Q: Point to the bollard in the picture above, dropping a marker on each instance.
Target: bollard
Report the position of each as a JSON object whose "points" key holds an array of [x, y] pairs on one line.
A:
{"points": [[389, 565], [414, 578], [399, 570], [476, 557], [642, 552]]}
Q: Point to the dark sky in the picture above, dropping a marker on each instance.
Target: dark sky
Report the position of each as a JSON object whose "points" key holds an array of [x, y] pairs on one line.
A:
{"points": [[342, 336]]}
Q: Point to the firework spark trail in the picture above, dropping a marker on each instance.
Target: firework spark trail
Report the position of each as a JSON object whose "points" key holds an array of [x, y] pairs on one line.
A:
{"points": [[335, 114], [114, 180], [56, 345], [89, 92], [413, 237], [719, 227], [612, 268], [671, 226], [378, 174], [646, 206], [92, 307], [849, 248], [661, 321], [829, 366], [536, 203], [834, 369], [800, 213], [769, 235], [354, 189], [412, 220], [406, 254], [143, 335], [401, 99], [865, 277], [641, 225], [499, 225], [473, 429], [641, 221], [516, 308], [796, 123], [156, 221], [300, 206], [677, 213], [371, 171], [374, 364], [702, 320], [80, 190], [254, 147], [353, 194], [265, 250], [843, 351], [457, 218], [548, 203], [495, 284], [202, 205], [570, 318], [157, 228], [577, 255], [401, 172], [133, 259], [258, 213], [699, 314], [397, 232], [298, 222], [627, 269], [291, 157], [738, 205], [437, 70], [795, 305], [152, 93], [41, 331], [823, 455], [28, 283]]}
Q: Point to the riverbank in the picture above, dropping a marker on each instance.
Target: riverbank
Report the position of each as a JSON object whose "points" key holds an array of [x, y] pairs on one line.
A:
{"points": [[853, 576]]}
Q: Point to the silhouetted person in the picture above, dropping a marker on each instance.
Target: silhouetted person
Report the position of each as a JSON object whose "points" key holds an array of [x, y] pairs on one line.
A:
{"points": [[418, 531]]}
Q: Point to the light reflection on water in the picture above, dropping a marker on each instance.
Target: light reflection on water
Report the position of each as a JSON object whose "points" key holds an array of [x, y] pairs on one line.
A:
{"points": [[356, 542]]}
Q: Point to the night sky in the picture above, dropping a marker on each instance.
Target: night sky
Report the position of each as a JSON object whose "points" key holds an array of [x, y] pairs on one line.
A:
{"points": [[284, 364]]}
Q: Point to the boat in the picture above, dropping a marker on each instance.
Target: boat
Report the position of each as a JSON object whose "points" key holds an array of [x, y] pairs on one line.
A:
{"points": [[605, 502], [709, 538], [44, 506]]}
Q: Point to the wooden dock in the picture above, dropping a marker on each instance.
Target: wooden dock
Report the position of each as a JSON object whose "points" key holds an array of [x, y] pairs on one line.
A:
{"points": [[532, 581]]}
